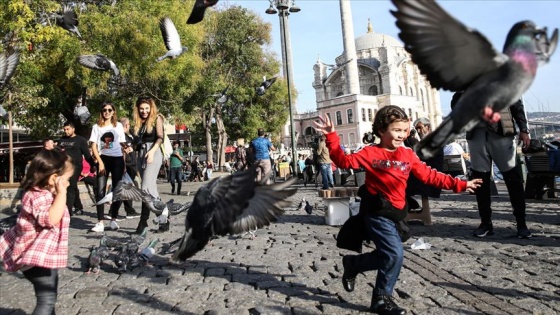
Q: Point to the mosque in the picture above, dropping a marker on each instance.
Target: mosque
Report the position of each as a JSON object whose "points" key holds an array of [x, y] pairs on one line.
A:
{"points": [[374, 71]]}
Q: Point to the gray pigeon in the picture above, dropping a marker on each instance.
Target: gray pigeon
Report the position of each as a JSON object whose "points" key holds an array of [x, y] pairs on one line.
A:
{"points": [[199, 9], [122, 259], [127, 191], [231, 205], [109, 242], [8, 64], [265, 85], [456, 58], [308, 207], [68, 20], [98, 62], [222, 97], [336, 66], [94, 261], [171, 39]]}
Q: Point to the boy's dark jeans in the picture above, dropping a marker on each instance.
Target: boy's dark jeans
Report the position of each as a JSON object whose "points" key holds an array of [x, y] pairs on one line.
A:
{"points": [[387, 258]]}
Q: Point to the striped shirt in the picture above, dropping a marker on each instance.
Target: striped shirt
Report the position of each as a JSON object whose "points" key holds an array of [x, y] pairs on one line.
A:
{"points": [[34, 241]]}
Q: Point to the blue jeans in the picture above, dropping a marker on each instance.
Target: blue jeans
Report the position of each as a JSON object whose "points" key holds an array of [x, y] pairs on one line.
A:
{"points": [[387, 258], [327, 176], [176, 175]]}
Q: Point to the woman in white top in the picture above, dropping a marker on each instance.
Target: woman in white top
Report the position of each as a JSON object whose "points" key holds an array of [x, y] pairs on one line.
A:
{"points": [[108, 140]]}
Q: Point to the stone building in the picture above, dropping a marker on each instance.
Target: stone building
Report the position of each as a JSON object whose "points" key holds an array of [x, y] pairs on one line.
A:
{"points": [[373, 71]]}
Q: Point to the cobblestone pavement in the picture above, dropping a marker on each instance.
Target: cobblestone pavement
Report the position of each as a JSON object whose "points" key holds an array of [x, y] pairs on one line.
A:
{"points": [[294, 267]]}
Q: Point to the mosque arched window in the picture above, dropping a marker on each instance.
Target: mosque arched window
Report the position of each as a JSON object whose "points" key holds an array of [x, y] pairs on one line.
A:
{"points": [[350, 116], [400, 90], [351, 138], [372, 90], [364, 114], [370, 118], [338, 117]]}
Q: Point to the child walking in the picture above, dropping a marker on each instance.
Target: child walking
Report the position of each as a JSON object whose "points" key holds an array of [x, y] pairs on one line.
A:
{"points": [[38, 243], [388, 166]]}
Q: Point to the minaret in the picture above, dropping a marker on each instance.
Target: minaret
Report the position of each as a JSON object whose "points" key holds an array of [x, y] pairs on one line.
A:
{"points": [[352, 79]]}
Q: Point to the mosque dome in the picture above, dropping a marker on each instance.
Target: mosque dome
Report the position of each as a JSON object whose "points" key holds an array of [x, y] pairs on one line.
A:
{"points": [[375, 40]]}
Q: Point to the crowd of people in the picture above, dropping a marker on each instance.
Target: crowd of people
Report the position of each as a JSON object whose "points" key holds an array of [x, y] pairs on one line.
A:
{"points": [[132, 149]]}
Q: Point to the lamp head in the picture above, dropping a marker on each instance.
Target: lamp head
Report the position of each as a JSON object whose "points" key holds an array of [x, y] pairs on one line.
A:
{"points": [[271, 10], [294, 8]]}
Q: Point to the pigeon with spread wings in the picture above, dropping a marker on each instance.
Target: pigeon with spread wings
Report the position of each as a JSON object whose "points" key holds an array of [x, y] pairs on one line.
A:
{"points": [[457, 58], [171, 39], [265, 85], [336, 66], [127, 191], [98, 62], [231, 205], [68, 20]]}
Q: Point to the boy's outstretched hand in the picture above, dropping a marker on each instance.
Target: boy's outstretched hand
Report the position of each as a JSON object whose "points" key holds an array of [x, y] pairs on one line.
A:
{"points": [[473, 184], [325, 126]]}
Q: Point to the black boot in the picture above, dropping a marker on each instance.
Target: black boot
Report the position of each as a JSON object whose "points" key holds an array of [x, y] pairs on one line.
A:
{"points": [[384, 304], [514, 183], [144, 216], [348, 274], [483, 200]]}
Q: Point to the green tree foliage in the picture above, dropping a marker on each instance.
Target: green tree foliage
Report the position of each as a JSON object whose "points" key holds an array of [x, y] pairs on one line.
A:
{"points": [[48, 80]]}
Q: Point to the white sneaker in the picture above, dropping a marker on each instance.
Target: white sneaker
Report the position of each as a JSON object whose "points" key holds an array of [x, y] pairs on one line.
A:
{"points": [[108, 217], [114, 225], [99, 227]]}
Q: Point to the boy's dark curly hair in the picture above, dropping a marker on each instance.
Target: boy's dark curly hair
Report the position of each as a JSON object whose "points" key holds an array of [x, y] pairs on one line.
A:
{"points": [[386, 116]]}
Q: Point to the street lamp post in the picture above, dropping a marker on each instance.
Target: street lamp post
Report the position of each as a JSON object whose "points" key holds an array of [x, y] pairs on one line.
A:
{"points": [[284, 8]]}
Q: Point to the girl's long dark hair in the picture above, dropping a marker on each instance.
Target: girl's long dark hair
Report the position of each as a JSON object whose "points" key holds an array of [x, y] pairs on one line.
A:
{"points": [[45, 163]]}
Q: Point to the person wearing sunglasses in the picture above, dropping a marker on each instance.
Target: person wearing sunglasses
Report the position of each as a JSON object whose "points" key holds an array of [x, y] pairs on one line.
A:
{"points": [[148, 129], [108, 140]]}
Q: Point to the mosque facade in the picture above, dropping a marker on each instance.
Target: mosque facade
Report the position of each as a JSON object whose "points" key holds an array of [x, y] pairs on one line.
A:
{"points": [[374, 71]]}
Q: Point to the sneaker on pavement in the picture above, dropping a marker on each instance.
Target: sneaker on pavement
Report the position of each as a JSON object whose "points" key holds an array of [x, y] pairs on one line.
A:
{"points": [[118, 219], [132, 214], [384, 304], [114, 225], [523, 232], [483, 230], [99, 227]]}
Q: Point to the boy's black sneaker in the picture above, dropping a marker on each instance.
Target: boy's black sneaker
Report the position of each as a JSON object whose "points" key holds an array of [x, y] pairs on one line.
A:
{"points": [[348, 276], [523, 232], [483, 230], [384, 304]]}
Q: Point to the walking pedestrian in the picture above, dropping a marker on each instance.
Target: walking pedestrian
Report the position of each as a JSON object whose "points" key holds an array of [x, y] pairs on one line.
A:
{"points": [[176, 164]]}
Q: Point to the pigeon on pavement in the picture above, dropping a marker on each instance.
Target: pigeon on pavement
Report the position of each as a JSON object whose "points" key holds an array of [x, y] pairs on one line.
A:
{"points": [[98, 62], [199, 9], [308, 207], [265, 85], [8, 64], [231, 205], [171, 39], [457, 58], [68, 20]]}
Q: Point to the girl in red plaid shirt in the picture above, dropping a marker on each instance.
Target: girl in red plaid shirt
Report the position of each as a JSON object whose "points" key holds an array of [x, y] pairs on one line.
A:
{"points": [[38, 243]]}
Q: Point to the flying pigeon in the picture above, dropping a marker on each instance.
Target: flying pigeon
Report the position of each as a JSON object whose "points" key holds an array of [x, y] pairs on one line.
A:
{"points": [[308, 207], [336, 66], [98, 62], [456, 58], [127, 191], [264, 85], [222, 97], [199, 9], [231, 205], [68, 20], [171, 39], [8, 64], [107, 198]]}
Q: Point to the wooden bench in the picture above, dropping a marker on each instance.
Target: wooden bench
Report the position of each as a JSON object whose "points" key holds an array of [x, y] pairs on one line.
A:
{"points": [[538, 169]]}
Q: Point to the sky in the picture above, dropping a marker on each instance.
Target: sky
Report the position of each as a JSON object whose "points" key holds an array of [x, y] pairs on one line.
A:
{"points": [[316, 31]]}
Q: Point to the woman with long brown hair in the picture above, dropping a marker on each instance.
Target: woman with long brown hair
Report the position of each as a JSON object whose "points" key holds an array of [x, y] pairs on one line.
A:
{"points": [[148, 128], [108, 139]]}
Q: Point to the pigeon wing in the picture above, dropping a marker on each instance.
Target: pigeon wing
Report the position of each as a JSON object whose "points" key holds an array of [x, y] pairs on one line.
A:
{"points": [[69, 18], [8, 67], [199, 9], [450, 54], [95, 62], [268, 83], [127, 191], [170, 34], [545, 46], [264, 207]]}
